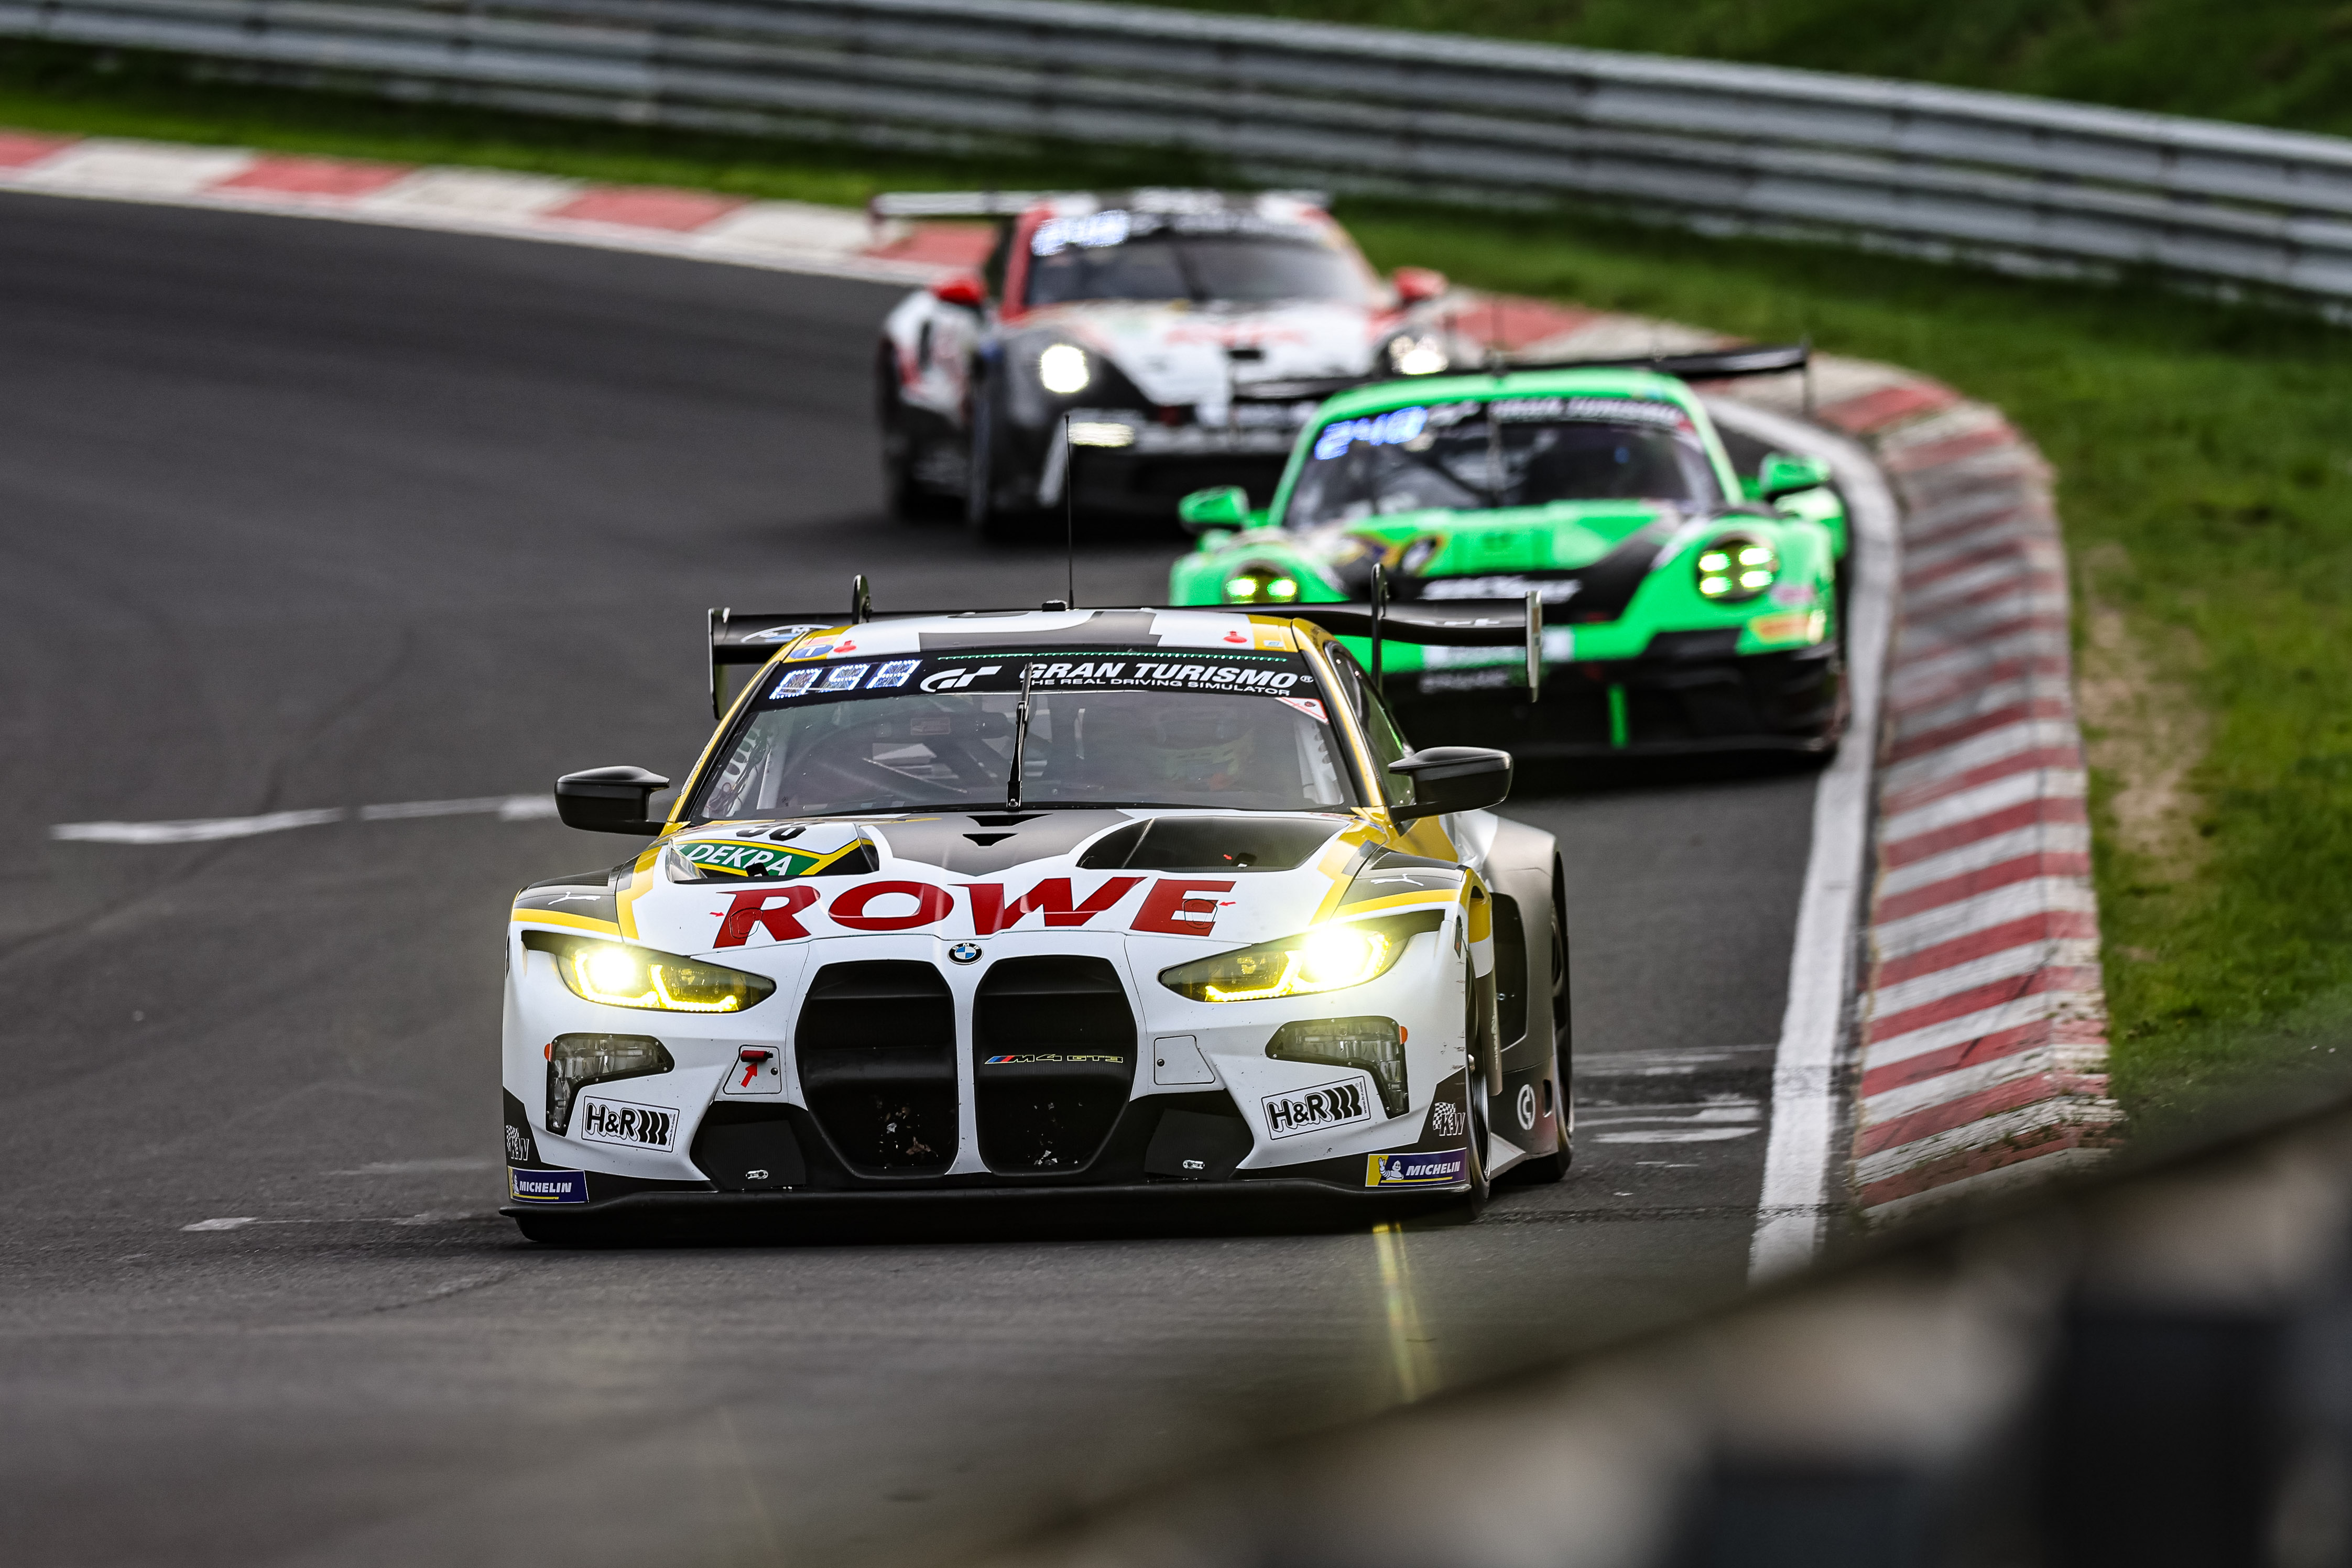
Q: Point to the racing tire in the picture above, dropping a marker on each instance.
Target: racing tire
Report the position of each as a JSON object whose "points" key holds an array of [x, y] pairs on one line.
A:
{"points": [[1482, 1186], [1475, 1094], [988, 521], [904, 495], [1538, 1171], [1563, 1019]]}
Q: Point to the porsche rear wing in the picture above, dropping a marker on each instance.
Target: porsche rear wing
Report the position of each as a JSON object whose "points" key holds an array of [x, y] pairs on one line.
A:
{"points": [[1717, 364], [1721, 364], [739, 639], [1012, 204]]}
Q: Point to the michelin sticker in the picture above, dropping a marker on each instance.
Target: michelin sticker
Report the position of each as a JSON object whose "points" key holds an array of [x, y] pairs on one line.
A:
{"points": [[1437, 1169], [547, 1186]]}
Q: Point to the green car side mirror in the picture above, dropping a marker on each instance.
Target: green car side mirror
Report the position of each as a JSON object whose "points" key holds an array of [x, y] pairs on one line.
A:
{"points": [[1227, 506], [1786, 473]]}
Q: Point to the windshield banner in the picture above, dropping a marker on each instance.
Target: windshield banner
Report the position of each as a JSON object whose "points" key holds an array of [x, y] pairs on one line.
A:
{"points": [[994, 673]]}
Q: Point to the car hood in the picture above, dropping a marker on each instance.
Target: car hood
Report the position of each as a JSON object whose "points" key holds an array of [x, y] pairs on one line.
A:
{"points": [[1180, 354], [737, 892]]}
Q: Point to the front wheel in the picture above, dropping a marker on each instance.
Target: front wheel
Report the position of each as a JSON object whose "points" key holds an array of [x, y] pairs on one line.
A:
{"points": [[1539, 1170], [1482, 1186], [903, 450], [988, 519], [1475, 1094]]}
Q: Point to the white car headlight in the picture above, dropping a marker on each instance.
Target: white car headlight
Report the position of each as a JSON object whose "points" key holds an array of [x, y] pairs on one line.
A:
{"points": [[1062, 369], [1416, 356]]}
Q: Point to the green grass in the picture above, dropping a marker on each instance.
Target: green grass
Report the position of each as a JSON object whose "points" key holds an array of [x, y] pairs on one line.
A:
{"points": [[2268, 62], [2208, 442]]}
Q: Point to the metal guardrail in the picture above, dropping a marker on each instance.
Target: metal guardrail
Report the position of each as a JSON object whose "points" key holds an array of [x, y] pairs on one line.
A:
{"points": [[2153, 1371], [1940, 171]]}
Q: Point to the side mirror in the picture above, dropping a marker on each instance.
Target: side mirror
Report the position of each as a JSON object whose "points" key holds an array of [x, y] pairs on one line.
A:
{"points": [[1227, 506], [1415, 284], [1451, 778], [1785, 473], [609, 800], [959, 288]]}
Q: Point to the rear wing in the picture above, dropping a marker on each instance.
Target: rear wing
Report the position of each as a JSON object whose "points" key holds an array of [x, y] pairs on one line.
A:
{"points": [[1456, 623], [957, 204], [1717, 364], [1012, 204], [742, 638], [1723, 364]]}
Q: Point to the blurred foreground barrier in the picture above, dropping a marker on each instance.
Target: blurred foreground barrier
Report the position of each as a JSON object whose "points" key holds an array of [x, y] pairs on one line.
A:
{"points": [[1938, 170], [2151, 1372]]}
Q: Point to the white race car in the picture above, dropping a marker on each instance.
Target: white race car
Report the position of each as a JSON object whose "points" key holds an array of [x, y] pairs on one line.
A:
{"points": [[1144, 901], [1127, 349]]}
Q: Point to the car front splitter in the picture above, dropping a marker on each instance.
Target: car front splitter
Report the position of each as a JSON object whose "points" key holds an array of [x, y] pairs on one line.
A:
{"points": [[656, 1208]]}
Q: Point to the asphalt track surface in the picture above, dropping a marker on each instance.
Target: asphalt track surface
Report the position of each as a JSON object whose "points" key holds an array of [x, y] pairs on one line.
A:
{"points": [[305, 514]]}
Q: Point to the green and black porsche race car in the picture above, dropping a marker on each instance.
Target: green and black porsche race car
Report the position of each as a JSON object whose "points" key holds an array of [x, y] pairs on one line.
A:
{"points": [[1686, 607]]}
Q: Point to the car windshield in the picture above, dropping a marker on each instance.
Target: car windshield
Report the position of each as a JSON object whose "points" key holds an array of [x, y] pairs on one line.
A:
{"points": [[1127, 727], [1515, 451], [1204, 257]]}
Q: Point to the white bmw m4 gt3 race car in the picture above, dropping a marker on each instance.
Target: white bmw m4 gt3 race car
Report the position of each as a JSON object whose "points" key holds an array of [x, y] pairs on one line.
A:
{"points": [[1138, 903], [1126, 350]]}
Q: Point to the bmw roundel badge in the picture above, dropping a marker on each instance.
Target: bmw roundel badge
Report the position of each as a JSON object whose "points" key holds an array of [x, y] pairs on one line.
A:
{"points": [[965, 953]]}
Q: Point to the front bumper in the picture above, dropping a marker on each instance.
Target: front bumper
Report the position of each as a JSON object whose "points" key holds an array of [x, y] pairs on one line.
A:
{"points": [[1143, 479], [1682, 699], [1136, 462], [892, 1071]]}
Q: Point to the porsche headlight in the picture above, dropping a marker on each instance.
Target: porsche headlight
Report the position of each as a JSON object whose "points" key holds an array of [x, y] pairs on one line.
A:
{"points": [[1260, 585], [1416, 356], [1328, 958], [1736, 567], [1063, 370], [621, 975]]}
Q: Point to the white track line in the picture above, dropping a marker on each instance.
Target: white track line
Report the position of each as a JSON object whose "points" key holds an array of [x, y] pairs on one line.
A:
{"points": [[205, 829], [1807, 1118]]}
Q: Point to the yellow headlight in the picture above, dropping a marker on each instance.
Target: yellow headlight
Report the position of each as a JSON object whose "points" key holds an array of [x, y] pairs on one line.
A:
{"points": [[618, 974], [1328, 958]]}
